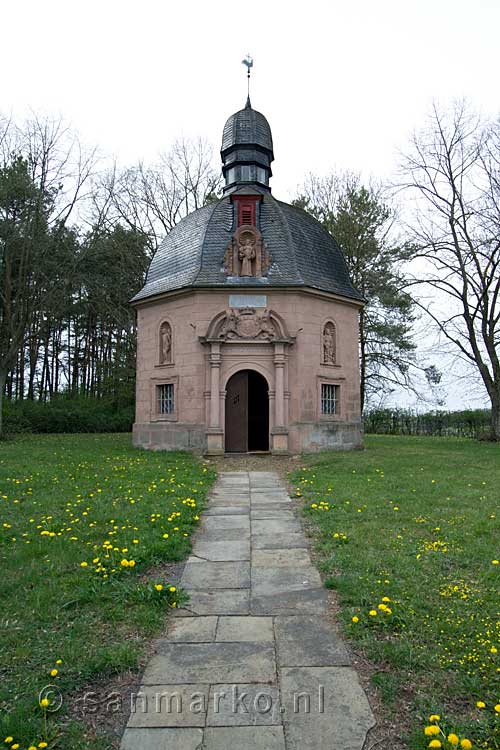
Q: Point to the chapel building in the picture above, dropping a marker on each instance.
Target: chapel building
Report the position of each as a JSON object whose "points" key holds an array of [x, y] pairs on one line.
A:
{"points": [[247, 324]]}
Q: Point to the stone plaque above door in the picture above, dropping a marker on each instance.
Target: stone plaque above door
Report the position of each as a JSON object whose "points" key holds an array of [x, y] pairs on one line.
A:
{"points": [[239, 301]]}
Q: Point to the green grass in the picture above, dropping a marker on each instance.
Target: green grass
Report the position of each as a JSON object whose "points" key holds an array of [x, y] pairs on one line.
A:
{"points": [[417, 521], [73, 507]]}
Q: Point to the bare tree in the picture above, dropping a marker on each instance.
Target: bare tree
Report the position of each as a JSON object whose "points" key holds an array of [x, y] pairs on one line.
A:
{"points": [[153, 199], [450, 178]]}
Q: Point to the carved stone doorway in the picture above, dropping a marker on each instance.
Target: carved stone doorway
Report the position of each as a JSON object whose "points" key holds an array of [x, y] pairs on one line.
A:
{"points": [[247, 413]]}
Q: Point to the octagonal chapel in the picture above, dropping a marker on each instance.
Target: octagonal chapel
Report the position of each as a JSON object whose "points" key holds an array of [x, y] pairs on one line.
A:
{"points": [[247, 324]]}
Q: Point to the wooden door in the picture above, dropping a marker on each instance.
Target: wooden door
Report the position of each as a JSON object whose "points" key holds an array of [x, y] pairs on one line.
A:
{"points": [[237, 413]]}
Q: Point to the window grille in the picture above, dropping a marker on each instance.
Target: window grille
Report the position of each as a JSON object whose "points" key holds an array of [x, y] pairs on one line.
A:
{"points": [[165, 396], [329, 398]]}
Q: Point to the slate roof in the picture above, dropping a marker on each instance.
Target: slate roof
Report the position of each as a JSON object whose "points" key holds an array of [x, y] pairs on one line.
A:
{"points": [[247, 127], [303, 254]]}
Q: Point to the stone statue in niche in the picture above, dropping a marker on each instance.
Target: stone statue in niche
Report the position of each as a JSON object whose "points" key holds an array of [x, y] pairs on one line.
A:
{"points": [[248, 324], [246, 254], [165, 344], [329, 344]]}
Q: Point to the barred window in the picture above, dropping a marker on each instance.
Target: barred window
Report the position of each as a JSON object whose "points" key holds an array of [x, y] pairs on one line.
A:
{"points": [[329, 398], [165, 398]]}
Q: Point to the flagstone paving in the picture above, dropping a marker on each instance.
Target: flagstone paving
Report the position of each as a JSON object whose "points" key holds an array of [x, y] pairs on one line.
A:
{"points": [[251, 662]]}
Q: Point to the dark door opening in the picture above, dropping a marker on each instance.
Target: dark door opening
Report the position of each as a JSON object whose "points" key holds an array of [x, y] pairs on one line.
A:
{"points": [[247, 413]]}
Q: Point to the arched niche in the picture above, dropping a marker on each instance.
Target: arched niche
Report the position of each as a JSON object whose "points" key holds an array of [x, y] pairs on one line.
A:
{"points": [[329, 352], [165, 343]]}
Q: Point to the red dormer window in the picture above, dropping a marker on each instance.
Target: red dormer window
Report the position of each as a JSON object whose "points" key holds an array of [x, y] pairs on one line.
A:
{"points": [[247, 214], [246, 210]]}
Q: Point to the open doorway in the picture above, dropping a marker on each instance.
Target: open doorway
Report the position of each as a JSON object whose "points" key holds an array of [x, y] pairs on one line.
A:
{"points": [[247, 413]]}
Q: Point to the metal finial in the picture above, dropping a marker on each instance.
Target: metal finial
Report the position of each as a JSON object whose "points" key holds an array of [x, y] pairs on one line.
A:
{"points": [[248, 61]]}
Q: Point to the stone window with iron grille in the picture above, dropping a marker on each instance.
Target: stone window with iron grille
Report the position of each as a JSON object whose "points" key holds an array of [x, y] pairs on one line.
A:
{"points": [[329, 399], [165, 399]]}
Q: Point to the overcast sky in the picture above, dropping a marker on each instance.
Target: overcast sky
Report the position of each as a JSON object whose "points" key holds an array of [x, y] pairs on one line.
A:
{"points": [[342, 84]]}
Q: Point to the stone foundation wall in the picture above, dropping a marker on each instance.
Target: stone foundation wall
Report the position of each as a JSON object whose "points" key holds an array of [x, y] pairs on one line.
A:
{"points": [[170, 436], [311, 437]]}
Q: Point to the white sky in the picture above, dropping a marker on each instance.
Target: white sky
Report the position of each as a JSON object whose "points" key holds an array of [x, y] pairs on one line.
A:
{"points": [[342, 84]]}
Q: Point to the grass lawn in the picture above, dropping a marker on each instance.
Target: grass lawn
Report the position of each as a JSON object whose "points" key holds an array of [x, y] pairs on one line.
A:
{"points": [[407, 533], [83, 520]]}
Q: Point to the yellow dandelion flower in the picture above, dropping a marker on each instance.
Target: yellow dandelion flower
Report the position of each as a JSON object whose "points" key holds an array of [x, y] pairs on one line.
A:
{"points": [[131, 563], [355, 619], [434, 717], [8, 740], [466, 744], [497, 708], [434, 743], [453, 739], [431, 730], [54, 672], [495, 562], [385, 599], [58, 661], [481, 704], [42, 744], [159, 587], [494, 650], [124, 563], [172, 589], [44, 702], [83, 565], [373, 613]]}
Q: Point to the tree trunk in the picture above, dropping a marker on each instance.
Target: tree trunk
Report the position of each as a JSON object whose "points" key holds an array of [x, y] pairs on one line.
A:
{"points": [[495, 415], [362, 350], [3, 378]]}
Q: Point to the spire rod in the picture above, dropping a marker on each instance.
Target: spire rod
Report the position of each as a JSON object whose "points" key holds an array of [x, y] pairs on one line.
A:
{"points": [[248, 61]]}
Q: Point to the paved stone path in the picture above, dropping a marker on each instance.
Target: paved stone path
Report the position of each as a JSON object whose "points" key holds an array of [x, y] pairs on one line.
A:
{"points": [[251, 663]]}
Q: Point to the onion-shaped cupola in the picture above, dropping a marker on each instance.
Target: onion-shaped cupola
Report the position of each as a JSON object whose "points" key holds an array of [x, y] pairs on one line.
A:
{"points": [[247, 150]]}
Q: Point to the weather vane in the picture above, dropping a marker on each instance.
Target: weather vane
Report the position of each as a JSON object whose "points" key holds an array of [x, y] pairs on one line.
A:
{"points": [[248, 61]]}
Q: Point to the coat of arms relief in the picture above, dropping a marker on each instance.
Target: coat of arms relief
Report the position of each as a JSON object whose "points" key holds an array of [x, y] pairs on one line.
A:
{"points": [[248, 324]]}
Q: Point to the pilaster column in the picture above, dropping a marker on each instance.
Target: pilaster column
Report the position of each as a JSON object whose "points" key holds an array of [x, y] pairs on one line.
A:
{"points": [[279, 378], [215, 385]]}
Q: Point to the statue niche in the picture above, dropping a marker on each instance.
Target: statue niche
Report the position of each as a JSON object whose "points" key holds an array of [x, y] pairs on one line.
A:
{"points": [[165, 344], [329, 344], [246, 254]]}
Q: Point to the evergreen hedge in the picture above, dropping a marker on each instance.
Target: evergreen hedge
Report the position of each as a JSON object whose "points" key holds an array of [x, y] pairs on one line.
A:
{"points": [[474, 423], [64, 414]]}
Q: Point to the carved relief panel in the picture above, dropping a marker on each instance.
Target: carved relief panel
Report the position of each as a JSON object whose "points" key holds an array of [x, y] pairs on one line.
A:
{"points": [[248, 324]]}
